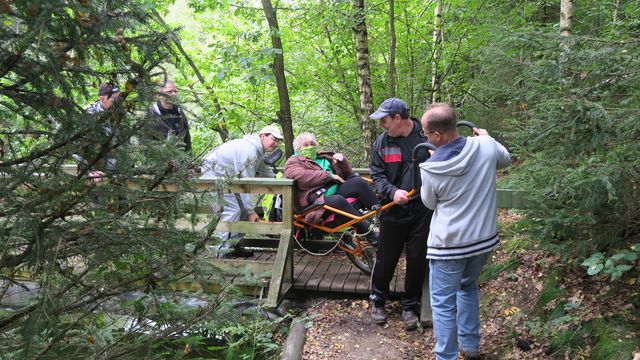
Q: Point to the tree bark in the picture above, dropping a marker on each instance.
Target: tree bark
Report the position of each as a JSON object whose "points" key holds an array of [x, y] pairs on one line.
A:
{"points": [[284, 114], [364, 78], [392, 49], [566, 17], [437, 36]]}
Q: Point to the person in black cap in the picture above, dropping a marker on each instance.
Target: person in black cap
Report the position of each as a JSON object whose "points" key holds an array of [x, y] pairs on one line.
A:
{"points": [[107, 94], [169, 118], [407, 223]]}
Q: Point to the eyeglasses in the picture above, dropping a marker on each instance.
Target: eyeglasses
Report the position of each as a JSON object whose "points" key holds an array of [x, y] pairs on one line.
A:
{"points": [[431, 132], [274, 138]]}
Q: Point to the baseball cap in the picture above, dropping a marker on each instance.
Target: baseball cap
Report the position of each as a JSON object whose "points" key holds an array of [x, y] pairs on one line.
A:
{"points": [[391, 106], [107, 90], [272, 129]]}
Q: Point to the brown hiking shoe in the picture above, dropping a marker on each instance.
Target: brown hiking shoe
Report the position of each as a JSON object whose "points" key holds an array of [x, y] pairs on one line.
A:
{"points": [[410, 320], [378, 315]]}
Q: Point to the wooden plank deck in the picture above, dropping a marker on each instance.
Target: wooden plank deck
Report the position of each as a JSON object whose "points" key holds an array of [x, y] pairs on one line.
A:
{"points": [[331, 273]]}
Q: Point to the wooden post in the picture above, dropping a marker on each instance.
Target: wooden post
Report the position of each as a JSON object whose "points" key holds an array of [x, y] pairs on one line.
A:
{"points": [[282, 278]]}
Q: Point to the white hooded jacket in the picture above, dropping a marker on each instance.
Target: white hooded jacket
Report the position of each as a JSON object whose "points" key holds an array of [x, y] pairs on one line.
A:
{"points": [[238, 158], [459, 184]]}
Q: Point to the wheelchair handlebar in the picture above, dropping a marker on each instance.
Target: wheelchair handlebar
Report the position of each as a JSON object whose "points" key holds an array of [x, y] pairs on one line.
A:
{"points": [[466, 123]]}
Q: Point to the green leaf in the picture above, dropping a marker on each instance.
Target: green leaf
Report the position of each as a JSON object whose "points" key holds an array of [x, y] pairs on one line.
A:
{"points": [[593, 259], [615, 275], [595, 269], [624, 267]]}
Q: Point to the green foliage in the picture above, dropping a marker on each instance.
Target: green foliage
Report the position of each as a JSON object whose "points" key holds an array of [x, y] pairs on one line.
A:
{"points": [[613, 266], [569, 118], [99, 253]]}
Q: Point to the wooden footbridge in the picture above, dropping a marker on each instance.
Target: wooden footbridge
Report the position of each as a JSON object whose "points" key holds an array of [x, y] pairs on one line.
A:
{"points": [[282, 269], [278, 268]]}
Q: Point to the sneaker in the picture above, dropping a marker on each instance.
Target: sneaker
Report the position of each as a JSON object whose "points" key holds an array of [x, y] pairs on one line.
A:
{"points": [[378, 315], [410, 320]]}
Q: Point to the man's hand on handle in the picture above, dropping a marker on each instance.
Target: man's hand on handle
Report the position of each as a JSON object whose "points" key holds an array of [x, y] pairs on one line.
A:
{"points": [[400, 197], [480, 132]]}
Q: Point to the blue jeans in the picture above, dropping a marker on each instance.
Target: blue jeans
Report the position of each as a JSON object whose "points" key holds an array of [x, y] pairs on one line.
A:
{"points": [[455, 304]]}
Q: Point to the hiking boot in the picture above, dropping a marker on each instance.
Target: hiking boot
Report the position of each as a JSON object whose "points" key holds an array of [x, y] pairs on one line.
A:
{"points": [[426, 323], [242, 252], [378, 315], [373, 236], [410, 320], [236, 252], [472, 355]]}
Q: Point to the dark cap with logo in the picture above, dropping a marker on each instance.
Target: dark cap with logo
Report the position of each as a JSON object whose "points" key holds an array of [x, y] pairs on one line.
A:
{"points": [[107, 90], [391, 106]]}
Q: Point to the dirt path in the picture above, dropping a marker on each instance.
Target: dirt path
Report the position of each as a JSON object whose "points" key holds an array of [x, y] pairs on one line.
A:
{"points": [[515, 300], [342, 329]]}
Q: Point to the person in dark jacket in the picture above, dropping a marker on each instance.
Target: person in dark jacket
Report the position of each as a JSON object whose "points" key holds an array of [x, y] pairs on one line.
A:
{"points": [[327, 177], [407, 223], [107, 94], [170, 119]]}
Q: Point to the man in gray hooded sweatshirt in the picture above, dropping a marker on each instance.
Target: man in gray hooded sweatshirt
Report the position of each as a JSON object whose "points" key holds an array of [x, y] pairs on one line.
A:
{"points": [[459, 184], [240, 158]]}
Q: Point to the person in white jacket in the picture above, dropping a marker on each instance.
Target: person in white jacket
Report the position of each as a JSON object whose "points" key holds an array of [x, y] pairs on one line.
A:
{"points": [[240, 158], [459, 184]]}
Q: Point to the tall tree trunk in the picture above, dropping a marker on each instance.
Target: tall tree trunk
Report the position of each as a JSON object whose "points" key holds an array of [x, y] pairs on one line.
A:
{"points": [[566, 17], [437, 36], [566, 28], [284, 114], [616, 7], [364, 78], [392, 49]]}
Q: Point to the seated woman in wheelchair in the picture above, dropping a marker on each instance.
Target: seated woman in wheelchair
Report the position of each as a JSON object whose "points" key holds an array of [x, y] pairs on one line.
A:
{"points": [[325, 176]]}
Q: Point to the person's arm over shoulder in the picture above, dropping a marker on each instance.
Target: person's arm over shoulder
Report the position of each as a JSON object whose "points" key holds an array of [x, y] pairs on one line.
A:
{"points": [[378, 175]]}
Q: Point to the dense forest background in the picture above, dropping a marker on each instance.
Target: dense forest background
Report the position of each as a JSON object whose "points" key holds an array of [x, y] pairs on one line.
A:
{"points": [[556, 81]]}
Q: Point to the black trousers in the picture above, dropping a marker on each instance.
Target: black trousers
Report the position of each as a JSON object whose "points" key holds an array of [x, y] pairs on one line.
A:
{"points": [[355, 187], [411, 232]]}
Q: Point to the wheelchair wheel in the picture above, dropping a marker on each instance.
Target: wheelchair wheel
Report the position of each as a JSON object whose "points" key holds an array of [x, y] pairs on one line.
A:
{"points": [[359, 252]]}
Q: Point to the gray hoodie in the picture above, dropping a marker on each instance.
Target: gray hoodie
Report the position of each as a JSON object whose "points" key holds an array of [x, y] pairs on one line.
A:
{"points": [[459, 183], [238, 158]]}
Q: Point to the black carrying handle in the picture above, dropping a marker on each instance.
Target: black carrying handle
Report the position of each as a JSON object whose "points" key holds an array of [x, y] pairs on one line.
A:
{"points": [[415, 163], [429, 146], [466, 123]]}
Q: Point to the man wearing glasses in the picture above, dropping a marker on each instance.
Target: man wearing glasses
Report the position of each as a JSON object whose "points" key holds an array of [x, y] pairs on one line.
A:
{"points": [[459, 183], [240, 158], [169, 117]]}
